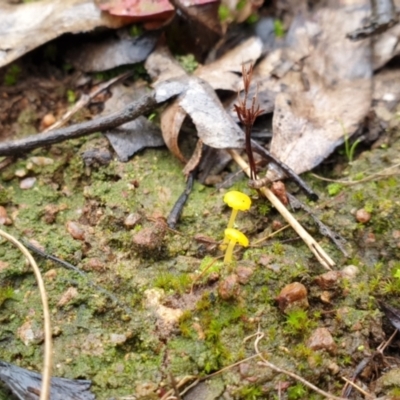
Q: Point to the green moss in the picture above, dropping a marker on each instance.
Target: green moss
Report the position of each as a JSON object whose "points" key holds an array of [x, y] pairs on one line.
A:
{"points": [[278, 28], [334, 189], [6, 293], [297, 391], [173, 283], [188, 62], [12, 74], [135, 30], [250, 392], [223, 13], [298, 323]]}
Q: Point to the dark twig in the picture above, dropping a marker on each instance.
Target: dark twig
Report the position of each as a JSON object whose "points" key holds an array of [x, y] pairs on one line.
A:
{"points": [[85, 99], [288, 171], [133, 110], [67, 265], [177, 209]]}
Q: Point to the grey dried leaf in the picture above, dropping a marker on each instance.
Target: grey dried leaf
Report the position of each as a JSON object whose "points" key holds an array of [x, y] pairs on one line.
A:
{"points": [[309, 123], [135, 135], [214, 126], [90, 56], [29, 25], [224, 73]]}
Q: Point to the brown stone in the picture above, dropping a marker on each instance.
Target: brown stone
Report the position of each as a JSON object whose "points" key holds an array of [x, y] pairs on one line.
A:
{"points": [[229, 287], [131, 220], [293, 296], [321, 339], [75, 230], [244, 274], [150, 238], [328, 280], [363, 216]]}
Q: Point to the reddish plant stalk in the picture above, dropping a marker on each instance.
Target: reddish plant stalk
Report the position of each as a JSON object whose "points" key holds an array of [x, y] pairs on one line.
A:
{"points": [[247, 116]]}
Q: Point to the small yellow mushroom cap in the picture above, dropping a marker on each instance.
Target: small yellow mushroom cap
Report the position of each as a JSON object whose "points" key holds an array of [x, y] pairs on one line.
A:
{"points": [[237, 236], [237, 200]]}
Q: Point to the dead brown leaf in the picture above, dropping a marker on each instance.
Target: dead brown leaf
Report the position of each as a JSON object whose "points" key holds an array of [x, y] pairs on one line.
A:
{"points": [[329, 97]]}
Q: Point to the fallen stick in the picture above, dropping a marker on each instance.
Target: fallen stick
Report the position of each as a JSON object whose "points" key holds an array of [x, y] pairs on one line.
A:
{"points": [[86, 99], [318, 251], [144, 105]]}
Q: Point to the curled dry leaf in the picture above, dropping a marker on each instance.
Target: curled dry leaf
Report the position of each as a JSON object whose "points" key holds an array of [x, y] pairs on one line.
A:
{"points": [[214, 126], [198, 100]]}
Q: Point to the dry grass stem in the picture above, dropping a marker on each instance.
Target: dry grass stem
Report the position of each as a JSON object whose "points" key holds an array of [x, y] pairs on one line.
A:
{"points": [[47, 362], [318, 251], [271, 235], [385, 344], [355, 386]]}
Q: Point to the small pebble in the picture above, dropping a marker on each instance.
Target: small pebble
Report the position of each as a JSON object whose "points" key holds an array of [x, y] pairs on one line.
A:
{"points": [[4, 218], [94, 264], [41, 161], [363, 216], [21, 173], [328, 280], [75, 230], [3, 265], [67, 296], [27, 183], [244, 274], [326, 297], [51, 274], [229, 287], [131, 220], [321, 339], [29, 333], [276, 225], [118, 338], [350, 272], [334, 368], [47, 120], [293, 296]]}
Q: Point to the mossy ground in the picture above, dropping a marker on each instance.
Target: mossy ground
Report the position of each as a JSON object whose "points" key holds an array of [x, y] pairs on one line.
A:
{"points": [[211, 333]]}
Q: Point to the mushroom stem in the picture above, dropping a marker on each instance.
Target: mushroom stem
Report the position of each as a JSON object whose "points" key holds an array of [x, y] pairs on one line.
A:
{"points": [[229, 251], [232, 218], [230, 225]]}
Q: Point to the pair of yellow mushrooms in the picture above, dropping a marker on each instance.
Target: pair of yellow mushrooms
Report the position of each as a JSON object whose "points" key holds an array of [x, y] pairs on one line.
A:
{"points": [[238, 202]]}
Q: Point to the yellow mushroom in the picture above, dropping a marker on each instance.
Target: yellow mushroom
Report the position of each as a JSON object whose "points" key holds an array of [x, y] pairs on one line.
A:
{"points": [[238, 201], [233, 236]]}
